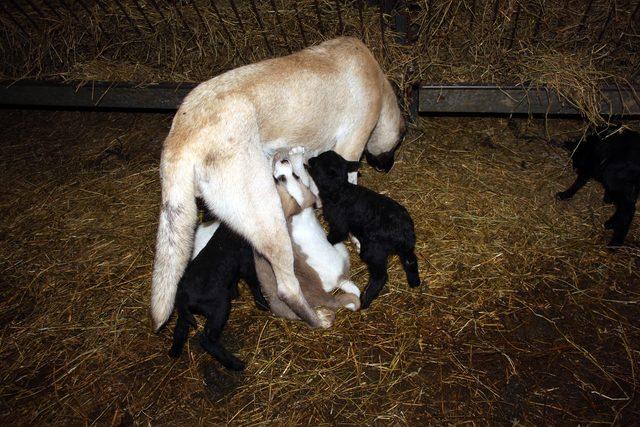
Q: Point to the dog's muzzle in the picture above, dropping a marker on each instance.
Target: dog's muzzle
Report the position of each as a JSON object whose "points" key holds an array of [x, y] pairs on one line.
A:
{"points": [[382, 162]]}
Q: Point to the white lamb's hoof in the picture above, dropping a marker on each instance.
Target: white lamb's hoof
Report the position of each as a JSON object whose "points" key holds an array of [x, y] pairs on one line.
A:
{"points": [[297, 150], [351, 306], [356, 243], [349, 287], [326, 316]]}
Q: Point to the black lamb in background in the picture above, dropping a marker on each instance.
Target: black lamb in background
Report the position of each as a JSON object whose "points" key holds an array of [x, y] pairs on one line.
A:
{"points": [[610, 156]]}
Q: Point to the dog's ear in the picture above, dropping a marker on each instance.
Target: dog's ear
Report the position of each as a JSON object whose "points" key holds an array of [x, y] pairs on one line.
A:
{"points": [[353, 166]]}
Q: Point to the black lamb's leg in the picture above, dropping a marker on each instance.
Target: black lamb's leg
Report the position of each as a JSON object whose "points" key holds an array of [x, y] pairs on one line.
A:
{"points": [[580, 182], [251, 277], [180, 335], [410, 266], [210, 339], [625, 211], [377, 264]]}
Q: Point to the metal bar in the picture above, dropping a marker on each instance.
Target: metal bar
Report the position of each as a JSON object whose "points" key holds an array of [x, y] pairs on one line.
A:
{"points": [[133, 25], [431, 98], [237, 13], [300, 26], [261, 25], [612, 8], [25, 14], [493, 99], [283, 32], [101, 95], [319, 15], [339, 13]]}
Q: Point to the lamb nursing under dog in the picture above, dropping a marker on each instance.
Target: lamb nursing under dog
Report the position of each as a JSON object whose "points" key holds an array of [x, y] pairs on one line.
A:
{"points": [[383, 226], [321, 267], [211, 279]]}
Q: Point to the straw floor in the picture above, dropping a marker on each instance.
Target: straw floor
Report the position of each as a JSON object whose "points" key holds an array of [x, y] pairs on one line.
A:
{"points": [[526, 317]]}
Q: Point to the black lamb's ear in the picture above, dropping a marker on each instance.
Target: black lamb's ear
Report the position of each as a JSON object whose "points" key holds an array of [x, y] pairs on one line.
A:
{"points": [[353, 166]]}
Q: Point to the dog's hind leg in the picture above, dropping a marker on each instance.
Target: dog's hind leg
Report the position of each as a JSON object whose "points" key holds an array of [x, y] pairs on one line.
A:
{"points": [[242, 193]]}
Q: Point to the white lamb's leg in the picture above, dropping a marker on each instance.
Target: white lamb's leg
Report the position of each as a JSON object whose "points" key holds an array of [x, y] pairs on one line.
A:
{"points": [[297, 158], [349, 287]]}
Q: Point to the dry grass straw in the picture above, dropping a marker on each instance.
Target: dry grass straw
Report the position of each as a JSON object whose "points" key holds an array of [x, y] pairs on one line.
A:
{"points": [[531, 42], [527, 316]]}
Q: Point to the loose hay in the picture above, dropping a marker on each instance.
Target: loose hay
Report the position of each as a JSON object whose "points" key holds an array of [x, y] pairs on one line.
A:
{"points": [[527, 317], [555, 44]]}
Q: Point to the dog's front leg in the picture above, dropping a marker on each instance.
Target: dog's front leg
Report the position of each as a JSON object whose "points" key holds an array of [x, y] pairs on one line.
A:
{"points": [[580, 182]]}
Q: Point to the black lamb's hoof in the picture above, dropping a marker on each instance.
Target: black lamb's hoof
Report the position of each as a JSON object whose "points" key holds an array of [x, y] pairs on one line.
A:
{"points": [[562, 196], [236, 365], [175, 352], [614, 244], [414, 283], [610, 224]]}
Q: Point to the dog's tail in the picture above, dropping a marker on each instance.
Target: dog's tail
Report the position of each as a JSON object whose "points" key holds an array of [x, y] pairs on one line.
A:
{"points": [[178, 217]]}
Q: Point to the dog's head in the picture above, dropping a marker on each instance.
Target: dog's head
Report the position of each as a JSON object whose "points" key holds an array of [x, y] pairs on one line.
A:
{"points": [[329, 170], [294, 195], [387, 135]]}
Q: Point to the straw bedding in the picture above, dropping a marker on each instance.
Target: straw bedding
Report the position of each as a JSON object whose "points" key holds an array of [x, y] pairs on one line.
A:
{"points": [[528, 317]]}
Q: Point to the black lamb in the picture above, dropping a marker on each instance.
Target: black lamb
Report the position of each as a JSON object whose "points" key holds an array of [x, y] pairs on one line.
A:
{"points": [[382, 225], [611, 157], [207, 287]]}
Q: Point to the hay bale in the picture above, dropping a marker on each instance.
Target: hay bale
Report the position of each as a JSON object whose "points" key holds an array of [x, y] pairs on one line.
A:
{"points": [[571, 46]]}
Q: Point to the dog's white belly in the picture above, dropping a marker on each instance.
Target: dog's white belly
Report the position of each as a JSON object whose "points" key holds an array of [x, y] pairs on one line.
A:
{"points": [[326, 260]]}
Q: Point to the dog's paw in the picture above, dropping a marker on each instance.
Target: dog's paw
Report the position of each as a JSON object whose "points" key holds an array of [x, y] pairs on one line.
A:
{"points": [[326, 316]]}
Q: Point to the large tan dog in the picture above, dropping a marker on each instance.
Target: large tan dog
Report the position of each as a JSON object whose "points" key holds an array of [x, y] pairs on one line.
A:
{"points": [[333, 96]]}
